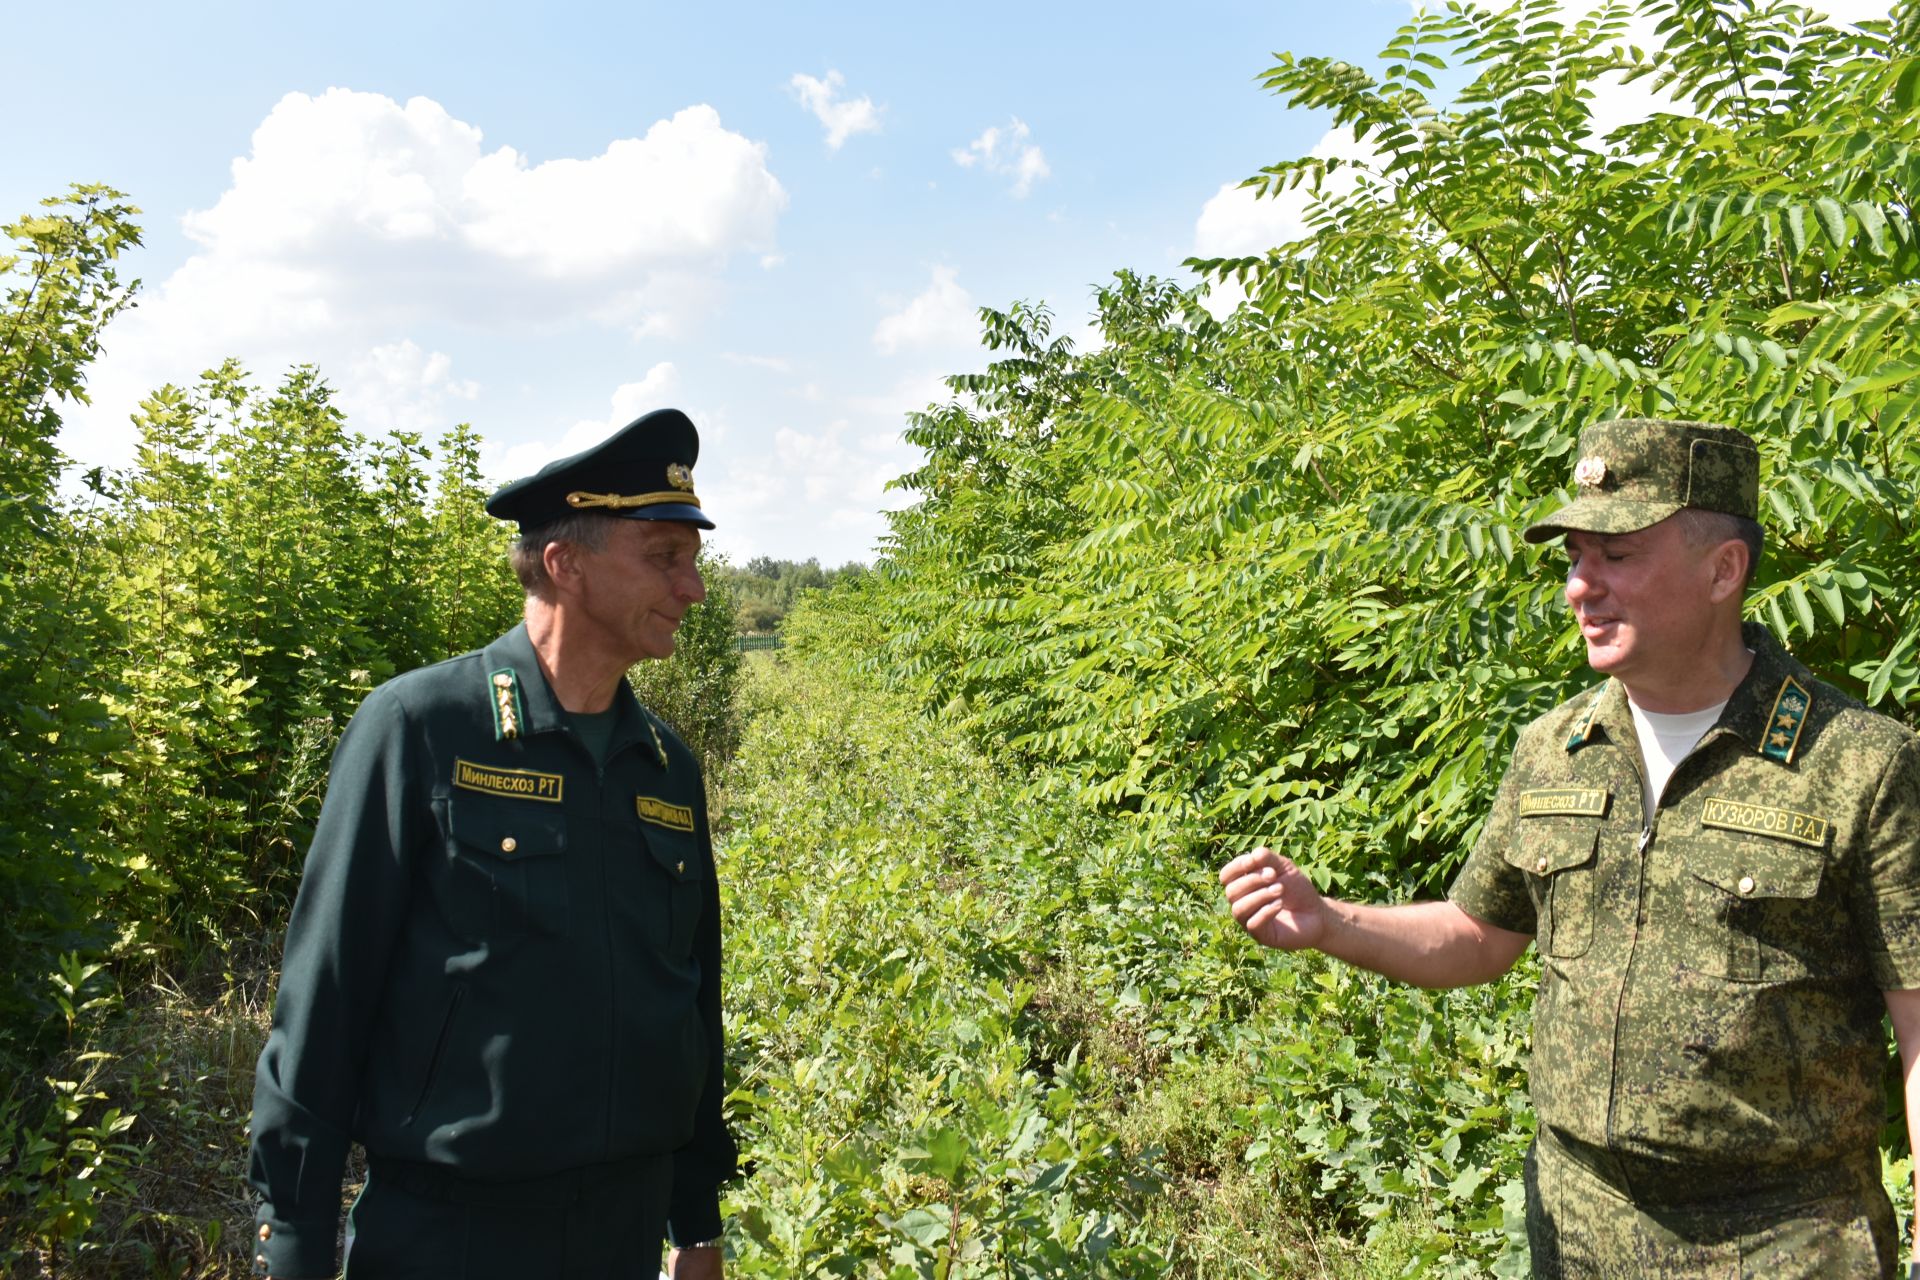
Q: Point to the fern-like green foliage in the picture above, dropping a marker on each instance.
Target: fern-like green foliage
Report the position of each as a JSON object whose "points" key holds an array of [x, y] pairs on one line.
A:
{"points": [[1258, 579]]}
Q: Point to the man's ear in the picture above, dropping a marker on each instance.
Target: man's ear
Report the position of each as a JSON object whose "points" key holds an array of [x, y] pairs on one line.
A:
{"points": [[562, 562], [1730, 564]]}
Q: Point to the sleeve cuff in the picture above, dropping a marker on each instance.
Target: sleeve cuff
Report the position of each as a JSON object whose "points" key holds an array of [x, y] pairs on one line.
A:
{"points": [[293, 1250], [693, 1218]]}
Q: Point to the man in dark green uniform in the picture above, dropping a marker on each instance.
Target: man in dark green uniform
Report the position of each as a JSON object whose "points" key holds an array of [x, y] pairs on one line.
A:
{"points": [[502, 974], [1718, 857]]}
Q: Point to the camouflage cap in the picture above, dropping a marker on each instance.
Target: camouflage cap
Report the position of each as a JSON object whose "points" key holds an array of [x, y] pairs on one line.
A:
{"points": [[1636, 472]]}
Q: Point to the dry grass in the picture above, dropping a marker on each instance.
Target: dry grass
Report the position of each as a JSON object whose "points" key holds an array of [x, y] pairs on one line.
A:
{"points": [[178, 1206]]}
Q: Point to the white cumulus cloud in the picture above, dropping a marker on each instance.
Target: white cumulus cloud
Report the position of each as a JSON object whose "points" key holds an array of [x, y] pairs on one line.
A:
{"points": [[356, 226], [399, 386], [841, 117], [1006, 152], [943, 312]]}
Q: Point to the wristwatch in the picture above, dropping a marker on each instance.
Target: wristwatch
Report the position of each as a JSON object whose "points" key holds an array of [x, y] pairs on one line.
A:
{"points": [[702, 1244]]}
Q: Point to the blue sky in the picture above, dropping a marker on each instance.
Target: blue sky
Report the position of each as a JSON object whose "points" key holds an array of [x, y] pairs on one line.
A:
{"points": [[545, 221]]}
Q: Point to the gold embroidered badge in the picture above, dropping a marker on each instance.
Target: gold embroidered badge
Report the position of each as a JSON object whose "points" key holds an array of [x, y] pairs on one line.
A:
{"points": [[1586, 802], [680, 476], [1765, 820], [674, 817], [506, 704], [521, 784]]}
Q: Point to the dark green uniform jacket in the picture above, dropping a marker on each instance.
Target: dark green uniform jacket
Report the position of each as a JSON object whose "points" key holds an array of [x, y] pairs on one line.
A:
{"points": [[1710, 1016], [504, 959]]}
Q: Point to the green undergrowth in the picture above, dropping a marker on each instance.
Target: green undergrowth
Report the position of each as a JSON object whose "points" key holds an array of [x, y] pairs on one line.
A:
{"points": [[978, 1030]]}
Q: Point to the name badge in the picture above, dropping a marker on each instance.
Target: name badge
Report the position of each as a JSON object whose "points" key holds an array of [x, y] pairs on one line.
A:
{"points": [[1765, 820], [521, 784], [674, 817], [1584, 802]]}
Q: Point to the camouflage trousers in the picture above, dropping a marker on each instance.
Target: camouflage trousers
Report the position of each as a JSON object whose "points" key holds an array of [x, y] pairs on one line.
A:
{"points": [[1580, 1226]]}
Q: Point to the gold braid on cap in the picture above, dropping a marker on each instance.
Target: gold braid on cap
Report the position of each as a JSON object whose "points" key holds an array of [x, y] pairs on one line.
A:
{"points": [[622, 501]]}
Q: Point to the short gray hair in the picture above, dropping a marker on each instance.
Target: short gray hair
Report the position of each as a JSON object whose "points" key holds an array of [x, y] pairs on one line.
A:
{"points": [[1711, 528], [527, 554]]}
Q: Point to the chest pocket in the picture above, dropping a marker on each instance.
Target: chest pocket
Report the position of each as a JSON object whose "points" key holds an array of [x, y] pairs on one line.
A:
{"points": [[673, 871], [1752, 908], [1557, 855], [514, 847]]}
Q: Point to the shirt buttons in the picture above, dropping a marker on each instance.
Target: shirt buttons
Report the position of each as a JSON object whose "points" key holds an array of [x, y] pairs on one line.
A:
{"points": [[679, 868], [1746, 884], [509, 844], [1541, 866], [266, 1231]]}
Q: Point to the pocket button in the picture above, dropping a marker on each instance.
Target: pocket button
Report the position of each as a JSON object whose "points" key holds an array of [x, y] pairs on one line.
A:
{"points": [[1745, 886]]}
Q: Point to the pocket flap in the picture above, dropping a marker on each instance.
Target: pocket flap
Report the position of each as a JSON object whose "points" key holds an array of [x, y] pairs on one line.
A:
{"points": [[1756, 868], [1546, 846], [506, 828], [678, 853]]}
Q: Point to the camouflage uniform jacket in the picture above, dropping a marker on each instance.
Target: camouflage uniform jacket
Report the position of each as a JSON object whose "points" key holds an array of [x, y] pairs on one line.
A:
{"points": [[504, 960], [1709, 1014]]}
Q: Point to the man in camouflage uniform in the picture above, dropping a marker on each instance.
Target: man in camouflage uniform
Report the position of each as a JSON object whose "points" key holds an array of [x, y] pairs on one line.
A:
{"points": [[1718, 857]]}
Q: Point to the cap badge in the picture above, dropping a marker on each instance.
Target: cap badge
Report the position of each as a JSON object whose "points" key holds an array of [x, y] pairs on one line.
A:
{"points": [[1590, 471], [680, 476]]}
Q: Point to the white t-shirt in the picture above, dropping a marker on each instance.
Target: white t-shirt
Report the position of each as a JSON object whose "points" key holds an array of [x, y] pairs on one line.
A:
{"points": [[1666, 740]]}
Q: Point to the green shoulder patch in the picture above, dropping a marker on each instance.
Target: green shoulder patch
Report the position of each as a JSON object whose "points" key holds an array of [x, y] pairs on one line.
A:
{"points": [[521, 784], [1765, 820], [1789, 716], [674, 817], [1588, 802], [504, 686], [1583, 727]]}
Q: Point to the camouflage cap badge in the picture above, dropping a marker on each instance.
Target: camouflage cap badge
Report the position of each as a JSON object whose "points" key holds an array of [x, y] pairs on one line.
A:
{"points": [[1635, 472]]}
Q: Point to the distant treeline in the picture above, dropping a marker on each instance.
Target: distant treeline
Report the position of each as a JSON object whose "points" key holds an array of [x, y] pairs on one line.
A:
{"points": [[765, 589]]}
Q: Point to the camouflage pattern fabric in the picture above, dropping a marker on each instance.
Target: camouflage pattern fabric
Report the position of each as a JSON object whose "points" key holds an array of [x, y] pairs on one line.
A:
{"points": [[1578, 1225], [1710, 1013], [1635, 472]]}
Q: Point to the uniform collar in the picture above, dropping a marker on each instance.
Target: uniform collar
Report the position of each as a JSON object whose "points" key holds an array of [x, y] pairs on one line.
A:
{"points": [[537, 710], [1766, 711]]}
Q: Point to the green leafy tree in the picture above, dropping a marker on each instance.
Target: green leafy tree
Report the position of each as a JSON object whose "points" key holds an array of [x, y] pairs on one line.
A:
{"points": [[60, 290], [1259, 579]]}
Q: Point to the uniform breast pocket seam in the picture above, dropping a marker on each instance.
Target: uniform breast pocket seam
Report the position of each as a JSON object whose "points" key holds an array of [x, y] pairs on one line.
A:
{"points": [[1559, 856], [677, 855], [519, 846], [1752, 887]]}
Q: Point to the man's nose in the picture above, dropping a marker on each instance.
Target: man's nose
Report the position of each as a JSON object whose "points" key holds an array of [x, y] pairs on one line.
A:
{"points": [[1583, 583]]}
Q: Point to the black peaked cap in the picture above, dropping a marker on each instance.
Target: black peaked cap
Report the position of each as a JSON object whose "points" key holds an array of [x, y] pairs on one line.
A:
{"points": [[644, 471]]}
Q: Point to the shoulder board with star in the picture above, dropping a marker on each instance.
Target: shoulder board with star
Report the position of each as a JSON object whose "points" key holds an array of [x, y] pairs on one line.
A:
{"points": [[1789, 716]]}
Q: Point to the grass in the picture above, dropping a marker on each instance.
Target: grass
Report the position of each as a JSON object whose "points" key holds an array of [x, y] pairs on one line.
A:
{"points": [[856, 823]]}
